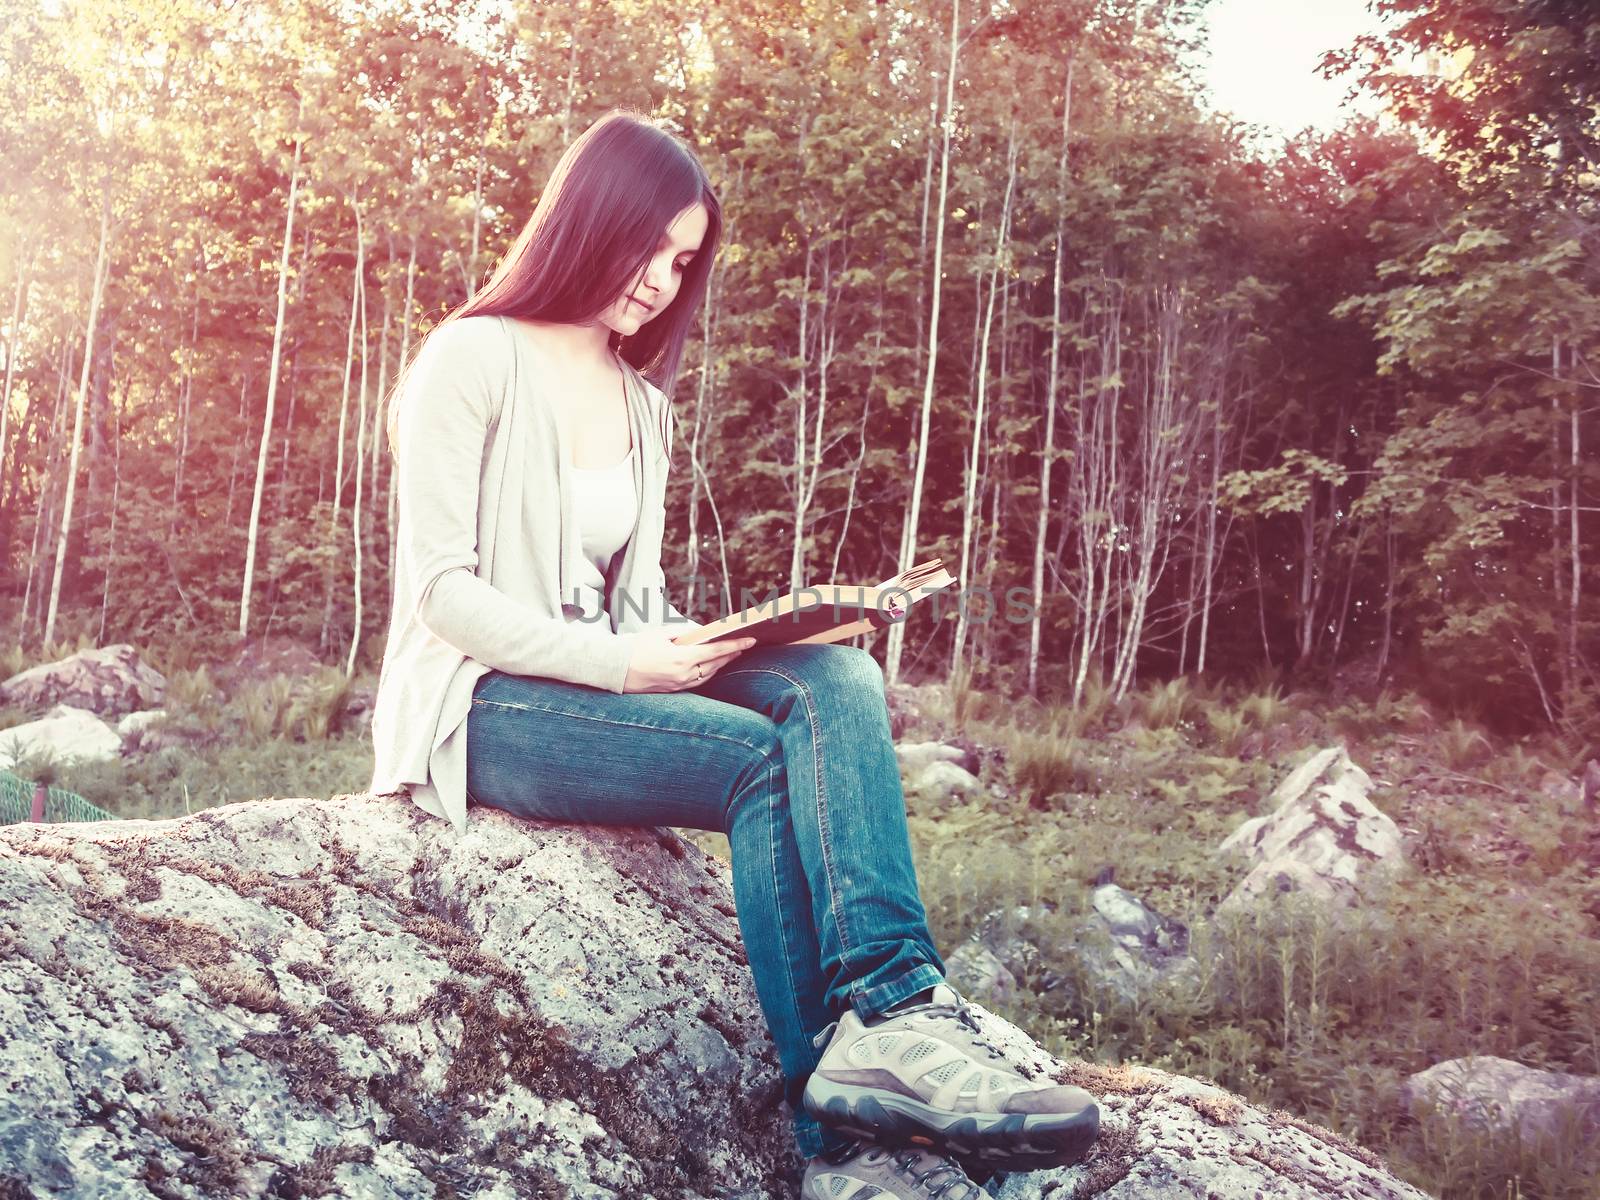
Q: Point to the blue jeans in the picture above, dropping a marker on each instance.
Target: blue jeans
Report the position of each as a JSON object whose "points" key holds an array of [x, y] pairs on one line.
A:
{"points": [[787, 751]]}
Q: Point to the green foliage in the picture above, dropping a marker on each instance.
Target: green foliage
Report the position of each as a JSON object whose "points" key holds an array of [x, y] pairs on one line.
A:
{"points": [[1480, 949], [1050, 761], [1285, 488], [305, 710], [1362, 356], [1169, 704]]}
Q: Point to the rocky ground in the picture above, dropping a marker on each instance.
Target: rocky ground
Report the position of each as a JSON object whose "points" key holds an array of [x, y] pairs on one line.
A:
{"points": [[335, 997], [340, 997]]}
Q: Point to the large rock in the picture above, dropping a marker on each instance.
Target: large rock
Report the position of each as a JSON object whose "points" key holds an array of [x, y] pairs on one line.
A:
{"points": [[293, 998], [338, 997], [1502, 1097], [110, 681], [1165, 1135], [1323, 837], [64, 734]]}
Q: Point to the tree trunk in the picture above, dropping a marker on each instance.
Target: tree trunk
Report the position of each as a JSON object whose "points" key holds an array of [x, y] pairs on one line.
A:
{"points": [[324, 639], [238, 447], [1388, 599], [111, 545], [101, 270], [1098, 496], [802, 395], [1574, 572], [294, 376], [1047, 453], [391, 524], [1344, 605], [380, 397], [355, 503], [970, 508], [13, 331], [1209, 568], [861, 436], [42, 515], [185, 402], [908, 542], [272, 396], [1165, 437]]}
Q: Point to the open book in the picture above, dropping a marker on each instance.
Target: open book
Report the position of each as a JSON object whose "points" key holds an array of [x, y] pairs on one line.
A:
{"points": [[827, 612]]}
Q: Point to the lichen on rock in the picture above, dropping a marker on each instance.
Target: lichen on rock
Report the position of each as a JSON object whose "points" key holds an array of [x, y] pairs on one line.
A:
{"points": [[343, 994], [344, 998]]}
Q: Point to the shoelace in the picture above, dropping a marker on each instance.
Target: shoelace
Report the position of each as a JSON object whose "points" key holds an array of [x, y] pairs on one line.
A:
{"points": [[956, 1184], [960, 1012], [962, 1015]]}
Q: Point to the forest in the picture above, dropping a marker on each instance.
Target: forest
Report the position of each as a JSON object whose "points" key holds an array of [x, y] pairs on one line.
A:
{"points": [[1282, 450], [996, 286]]}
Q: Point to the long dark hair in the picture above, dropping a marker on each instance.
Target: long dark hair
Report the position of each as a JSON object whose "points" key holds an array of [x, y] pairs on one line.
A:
{"points": [[598, 222]]}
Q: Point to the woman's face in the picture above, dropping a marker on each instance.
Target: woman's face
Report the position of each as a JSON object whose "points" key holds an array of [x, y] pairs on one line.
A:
{"points": [[658, 283]]}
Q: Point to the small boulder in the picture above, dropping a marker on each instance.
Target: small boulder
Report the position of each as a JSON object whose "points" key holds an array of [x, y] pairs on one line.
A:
{"points": [[358, 706], [1323, 837], [976, 970], [1137, 927], [1124, 947], [1502, 1097], [944, 782], [169, 735], [909, 705], [995, 960], [1121, 947], [64, 734], [264, 658], [110, 681], [938, 774], [916, 757], [134, 725]]}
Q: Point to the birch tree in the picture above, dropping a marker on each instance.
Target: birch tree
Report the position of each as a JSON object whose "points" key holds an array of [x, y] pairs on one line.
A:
{"points": [[908, 537], [254, 526], [102, 266], [998, 266]]}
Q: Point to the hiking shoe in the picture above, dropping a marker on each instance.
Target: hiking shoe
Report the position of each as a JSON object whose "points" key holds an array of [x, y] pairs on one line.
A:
{"points": [[923, 1075], [862, 1170]]}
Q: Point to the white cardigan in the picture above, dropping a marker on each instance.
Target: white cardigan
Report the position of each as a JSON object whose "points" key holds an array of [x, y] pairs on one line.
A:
{"points": [[487, 567]]}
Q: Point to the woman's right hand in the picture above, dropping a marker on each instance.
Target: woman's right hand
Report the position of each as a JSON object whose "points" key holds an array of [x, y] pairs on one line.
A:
{"points": [[659, 664]]}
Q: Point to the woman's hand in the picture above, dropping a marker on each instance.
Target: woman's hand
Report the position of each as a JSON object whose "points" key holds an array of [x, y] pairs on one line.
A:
{"points": [[659, 664], [683, 629]]}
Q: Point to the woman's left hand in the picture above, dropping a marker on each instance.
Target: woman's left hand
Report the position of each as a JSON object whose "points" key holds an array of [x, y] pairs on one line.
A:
{"points": [[682, 629]]}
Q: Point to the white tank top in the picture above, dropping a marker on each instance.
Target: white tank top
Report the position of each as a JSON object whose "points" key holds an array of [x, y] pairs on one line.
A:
{"points": [[607, 508]]}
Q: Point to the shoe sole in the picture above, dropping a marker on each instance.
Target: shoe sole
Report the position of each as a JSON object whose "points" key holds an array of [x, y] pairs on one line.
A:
{"points": [[1001, 1141]]}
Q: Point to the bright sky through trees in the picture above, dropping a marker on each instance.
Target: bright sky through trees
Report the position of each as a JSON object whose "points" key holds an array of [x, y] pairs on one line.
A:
{"points": [[1263, 58]]}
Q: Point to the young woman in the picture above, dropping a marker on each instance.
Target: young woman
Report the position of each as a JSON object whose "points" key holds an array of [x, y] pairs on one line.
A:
{"points": [[531, 666]]}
